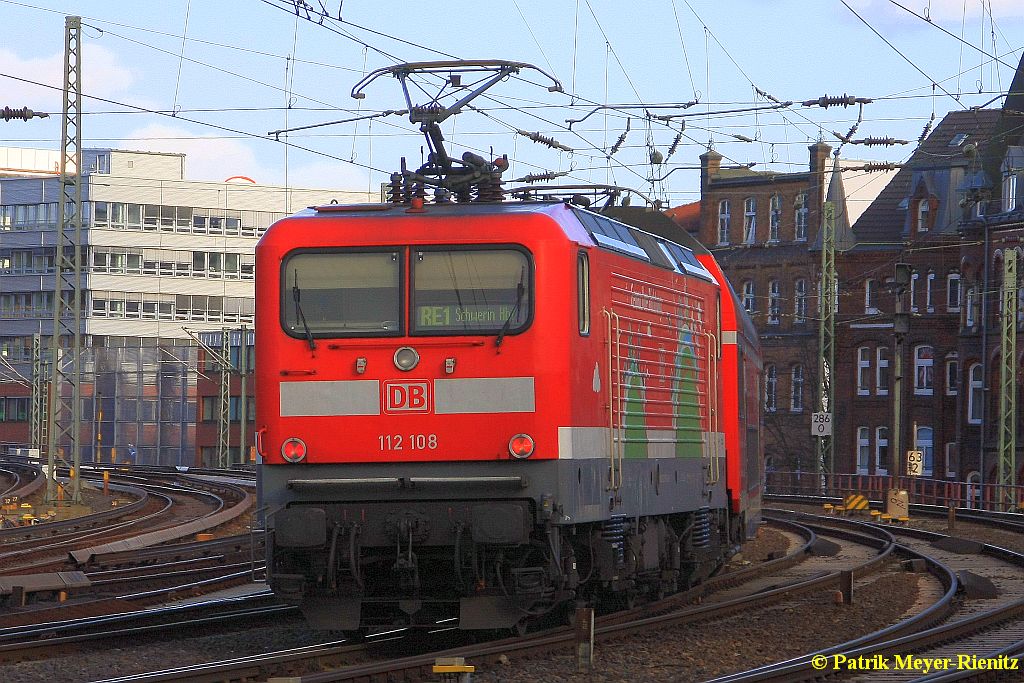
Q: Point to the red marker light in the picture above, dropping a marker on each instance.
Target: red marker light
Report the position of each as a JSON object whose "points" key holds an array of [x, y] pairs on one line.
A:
{"points": [[293, 449], [521, 446]]}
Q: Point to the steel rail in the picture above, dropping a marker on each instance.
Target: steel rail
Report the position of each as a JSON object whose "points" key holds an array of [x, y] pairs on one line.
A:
{"points": [[892, 640], [544, 641]]}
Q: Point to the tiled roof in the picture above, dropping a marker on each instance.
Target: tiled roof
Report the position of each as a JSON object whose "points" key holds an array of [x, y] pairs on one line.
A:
{"points": [[883, 220], [686, 216]]}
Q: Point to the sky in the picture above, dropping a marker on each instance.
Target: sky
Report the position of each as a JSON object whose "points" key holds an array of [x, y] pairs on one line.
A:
{"points": [[215, 79]]}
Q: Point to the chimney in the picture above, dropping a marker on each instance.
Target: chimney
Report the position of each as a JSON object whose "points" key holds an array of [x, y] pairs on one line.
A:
{"points": [[819, 157], [710, 165]]}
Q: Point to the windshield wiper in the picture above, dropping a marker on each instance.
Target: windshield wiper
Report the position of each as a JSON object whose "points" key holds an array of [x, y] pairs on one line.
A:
{"points": [[296, 297], [520, 291]]}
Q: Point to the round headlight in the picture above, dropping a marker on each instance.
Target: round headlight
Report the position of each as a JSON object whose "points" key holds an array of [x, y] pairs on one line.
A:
{"points": [[293, 449], [521, 446], [406, 358]]}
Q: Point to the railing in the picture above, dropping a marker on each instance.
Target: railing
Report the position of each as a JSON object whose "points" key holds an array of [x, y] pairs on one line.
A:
{"points": [[920, 490]]}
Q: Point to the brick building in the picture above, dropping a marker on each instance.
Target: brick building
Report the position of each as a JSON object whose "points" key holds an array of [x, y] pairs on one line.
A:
{"points": [[992, 224], [761, 226], [914, 222]]}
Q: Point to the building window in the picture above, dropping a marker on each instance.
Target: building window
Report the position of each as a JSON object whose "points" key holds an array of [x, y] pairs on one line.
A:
{"points": [[774, 302], [871, 297], [913, 292], [1010, 191], [882, 450], [882, 371], [748, 296], [923, 361], [863, 449], [923, 443], [976, 395], [801, 215], [972, 307], [863, 371], [749, 219], [953, 292], [774, 217], [723, 221], [771, 385], [952, 376], [799, 301], [928, 287], [923, 222], [796, 394], [13, 409], [951, 453]]}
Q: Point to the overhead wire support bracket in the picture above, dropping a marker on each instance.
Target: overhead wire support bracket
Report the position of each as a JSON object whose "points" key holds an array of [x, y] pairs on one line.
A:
{"points": [[388, 112], [669, 117]]}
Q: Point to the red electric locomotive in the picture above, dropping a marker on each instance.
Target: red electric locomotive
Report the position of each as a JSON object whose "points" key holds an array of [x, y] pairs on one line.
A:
{"points": [[490, 410], [485, 410]]}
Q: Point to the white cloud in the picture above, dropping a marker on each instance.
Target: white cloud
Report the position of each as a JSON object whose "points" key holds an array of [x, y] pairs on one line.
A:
{"points": [[103, 75], [217, 159]]}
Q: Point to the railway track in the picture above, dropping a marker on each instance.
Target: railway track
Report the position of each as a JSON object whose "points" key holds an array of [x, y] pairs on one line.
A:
{"points": [[985, 624], [678, 609], [125, 558]]}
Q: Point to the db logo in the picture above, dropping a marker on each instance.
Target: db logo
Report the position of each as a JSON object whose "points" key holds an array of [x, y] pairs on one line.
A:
{"points": [[406, 397]]}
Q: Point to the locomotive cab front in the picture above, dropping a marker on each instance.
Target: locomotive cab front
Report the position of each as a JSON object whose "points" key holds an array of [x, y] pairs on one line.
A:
{"points": [[403, 366]]}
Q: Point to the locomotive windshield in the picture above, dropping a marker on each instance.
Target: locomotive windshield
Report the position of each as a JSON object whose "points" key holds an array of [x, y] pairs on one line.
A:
{"points": [[470, 291], [342, 294]]}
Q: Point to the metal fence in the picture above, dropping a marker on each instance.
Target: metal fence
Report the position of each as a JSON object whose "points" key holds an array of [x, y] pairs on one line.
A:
{"points": [[920, 490]]}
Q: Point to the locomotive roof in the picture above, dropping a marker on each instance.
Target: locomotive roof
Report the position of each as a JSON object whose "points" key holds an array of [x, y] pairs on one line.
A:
{"points": [[624, 231], [446, 209]]}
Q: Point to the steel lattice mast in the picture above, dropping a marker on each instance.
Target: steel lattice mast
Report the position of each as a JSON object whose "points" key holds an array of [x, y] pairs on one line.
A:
{"points": [[39, 412], [66, 370], [826, 331], [224, 407], [1008, 381]]}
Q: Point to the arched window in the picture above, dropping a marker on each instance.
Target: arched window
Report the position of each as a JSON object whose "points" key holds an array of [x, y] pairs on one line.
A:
{"points": [[923, 207], [723, 221], [771, 385], [952, 374], [796, 394], [976, 395], [924, 360], [953, 292]]}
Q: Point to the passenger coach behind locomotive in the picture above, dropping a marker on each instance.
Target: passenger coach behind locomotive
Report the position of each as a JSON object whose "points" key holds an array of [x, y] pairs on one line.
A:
{"points": [[490, 411]]}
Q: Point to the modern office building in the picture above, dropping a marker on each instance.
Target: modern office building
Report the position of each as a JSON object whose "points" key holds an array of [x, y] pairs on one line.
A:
{"points": [[162, 256]]}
